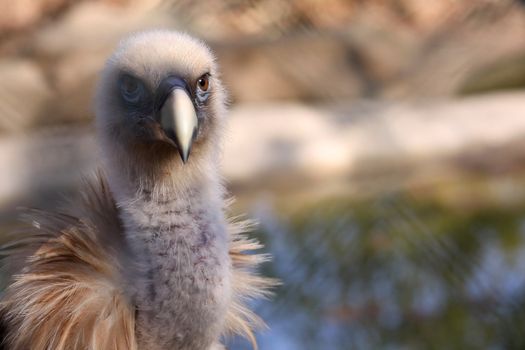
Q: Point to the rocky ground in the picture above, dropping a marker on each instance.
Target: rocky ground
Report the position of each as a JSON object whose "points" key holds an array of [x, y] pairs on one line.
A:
{"points": [[322, 51], [324, 92]]}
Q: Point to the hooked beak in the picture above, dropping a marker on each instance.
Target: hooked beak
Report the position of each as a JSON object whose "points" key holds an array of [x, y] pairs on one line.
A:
{"points": [[179, 120]]}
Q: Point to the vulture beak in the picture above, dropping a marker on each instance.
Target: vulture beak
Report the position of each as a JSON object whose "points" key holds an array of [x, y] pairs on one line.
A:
{"points": [[177, 115]]}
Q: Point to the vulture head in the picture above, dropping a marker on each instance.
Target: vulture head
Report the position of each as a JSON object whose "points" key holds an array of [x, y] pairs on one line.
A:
{"points": [[160, 108]]}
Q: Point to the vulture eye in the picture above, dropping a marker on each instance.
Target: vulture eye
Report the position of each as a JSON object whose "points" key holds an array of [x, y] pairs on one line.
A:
{"points": [[203, 83], [131, 89]]}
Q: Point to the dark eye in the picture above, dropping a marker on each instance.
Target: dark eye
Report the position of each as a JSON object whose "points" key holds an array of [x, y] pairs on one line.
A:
{"points": [[131, 89], [203, 83]]}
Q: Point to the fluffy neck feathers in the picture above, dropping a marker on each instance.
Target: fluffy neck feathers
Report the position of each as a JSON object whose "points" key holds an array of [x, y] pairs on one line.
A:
{"points": [[175, 225]]}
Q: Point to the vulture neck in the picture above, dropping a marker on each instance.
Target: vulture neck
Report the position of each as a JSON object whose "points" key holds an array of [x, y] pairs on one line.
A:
{"points": [[176, 231]]}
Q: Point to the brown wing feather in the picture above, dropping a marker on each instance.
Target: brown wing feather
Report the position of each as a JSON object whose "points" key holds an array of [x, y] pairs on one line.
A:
{"points": [[67, 293]]}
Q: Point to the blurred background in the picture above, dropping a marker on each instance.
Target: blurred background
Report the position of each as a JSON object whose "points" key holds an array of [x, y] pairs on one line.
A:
{"points": [[380, 144]]}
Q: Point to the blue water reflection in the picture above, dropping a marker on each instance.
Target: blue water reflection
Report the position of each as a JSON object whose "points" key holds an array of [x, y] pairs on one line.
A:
{"points": [[394, 273]]}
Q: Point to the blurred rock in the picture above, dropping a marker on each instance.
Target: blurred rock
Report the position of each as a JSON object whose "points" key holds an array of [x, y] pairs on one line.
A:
{"points": [[21, 14], [44, 163], [503, 74], [25, 15], [285, 143], [292, 146], [235, 20], [90, 27], [24, 92], [303, 67], [374, 56], [311, 50]]}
